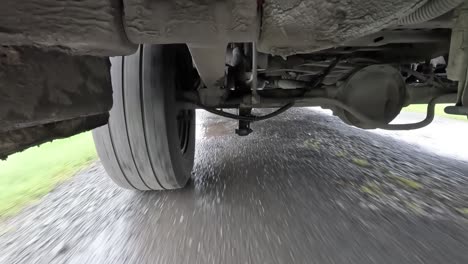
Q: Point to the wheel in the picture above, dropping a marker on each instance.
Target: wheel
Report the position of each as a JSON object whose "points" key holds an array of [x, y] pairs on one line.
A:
{"points": [[149, 142]]}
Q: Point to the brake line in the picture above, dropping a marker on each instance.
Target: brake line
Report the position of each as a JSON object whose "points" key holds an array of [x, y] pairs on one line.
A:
{"points": [[250, 118], [333, 102], [253, 118]]}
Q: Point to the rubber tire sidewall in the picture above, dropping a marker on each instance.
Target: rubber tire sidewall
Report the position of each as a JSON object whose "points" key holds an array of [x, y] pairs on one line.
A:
{"points": [[140, 147], [162, 60]]}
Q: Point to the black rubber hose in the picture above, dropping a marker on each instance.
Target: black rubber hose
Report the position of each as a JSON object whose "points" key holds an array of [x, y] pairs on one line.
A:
{"points": [[432, 9], [250, 118], [333, 102]]}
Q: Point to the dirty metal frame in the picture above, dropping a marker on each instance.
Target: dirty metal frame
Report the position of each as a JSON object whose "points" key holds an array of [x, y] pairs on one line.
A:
{"points": [[245, 108], [210, 59], [457, 69], [215, 95], [326, 98], [415, 94]]}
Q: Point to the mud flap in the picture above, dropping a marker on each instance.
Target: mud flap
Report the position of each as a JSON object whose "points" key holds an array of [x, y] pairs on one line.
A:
{"points": [[49, 94]]}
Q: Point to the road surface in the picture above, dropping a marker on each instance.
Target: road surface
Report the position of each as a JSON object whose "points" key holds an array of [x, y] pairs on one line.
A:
{"points": [[303, 188]]}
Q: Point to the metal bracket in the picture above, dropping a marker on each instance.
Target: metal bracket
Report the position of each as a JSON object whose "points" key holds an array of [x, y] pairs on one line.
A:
{"points": [[210, 61], [244, 126], [457, 69]]}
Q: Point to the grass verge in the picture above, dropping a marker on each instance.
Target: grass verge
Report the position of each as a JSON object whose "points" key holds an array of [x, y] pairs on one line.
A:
{"points": [[439, 111], [29, 175]]}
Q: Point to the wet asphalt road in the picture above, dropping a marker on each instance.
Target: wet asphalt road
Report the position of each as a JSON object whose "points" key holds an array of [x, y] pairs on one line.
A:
{"points": [[303, 188]]}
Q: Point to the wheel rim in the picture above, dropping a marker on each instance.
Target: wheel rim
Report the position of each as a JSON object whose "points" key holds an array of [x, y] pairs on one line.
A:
{"points": [[184, 122], [185, 117]]}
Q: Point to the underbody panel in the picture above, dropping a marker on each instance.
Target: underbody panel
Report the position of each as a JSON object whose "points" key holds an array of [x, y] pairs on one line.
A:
{"points": [[282, 27], [298, 26]]}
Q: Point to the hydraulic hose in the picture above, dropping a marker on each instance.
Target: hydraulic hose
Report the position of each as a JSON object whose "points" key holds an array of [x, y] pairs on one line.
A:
{"points": [[432, 9]]}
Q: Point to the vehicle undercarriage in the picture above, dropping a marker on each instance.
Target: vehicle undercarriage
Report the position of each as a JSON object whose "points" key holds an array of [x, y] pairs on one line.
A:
{"points": [[365, 60]]}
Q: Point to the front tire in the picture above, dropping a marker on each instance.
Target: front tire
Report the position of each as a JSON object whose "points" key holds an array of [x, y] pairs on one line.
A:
{"points": [[149, 142]]}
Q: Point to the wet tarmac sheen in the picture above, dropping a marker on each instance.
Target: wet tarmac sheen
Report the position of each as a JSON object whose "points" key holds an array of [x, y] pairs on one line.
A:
{"points": [[303, 188]]}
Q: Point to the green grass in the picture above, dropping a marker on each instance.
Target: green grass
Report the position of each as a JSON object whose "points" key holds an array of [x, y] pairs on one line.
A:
{"points": [[29, 175], [361, 162], [408, 182], [371, 189], [439, 111]]}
